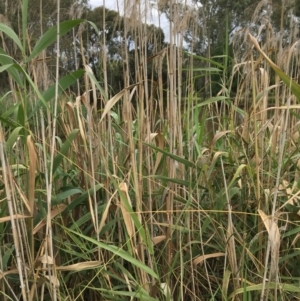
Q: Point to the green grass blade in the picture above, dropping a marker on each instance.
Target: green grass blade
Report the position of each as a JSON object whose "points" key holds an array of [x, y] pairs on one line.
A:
{"points": [[57, 199], [80, 199], [7, 60], [94, 26], [208, 69], [139, 295], [117, 252], [50, 36], [64, 149], [284, 77], [176, 158], [284, 287], [205, 59], [173, 180], [236, 175], [8, 122], [11, 34], [29, 80], [211, 100], [24, 22], [63, 84], [13, 138], [5, 67]]}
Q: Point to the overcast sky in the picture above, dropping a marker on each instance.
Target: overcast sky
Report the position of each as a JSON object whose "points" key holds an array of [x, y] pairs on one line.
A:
{"points": [[112, 4]]}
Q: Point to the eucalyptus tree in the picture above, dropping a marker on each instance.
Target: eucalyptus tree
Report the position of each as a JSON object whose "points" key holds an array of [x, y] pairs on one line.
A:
{"points": [[217, 27], [119, 41], [214, 20], [41, 16]]}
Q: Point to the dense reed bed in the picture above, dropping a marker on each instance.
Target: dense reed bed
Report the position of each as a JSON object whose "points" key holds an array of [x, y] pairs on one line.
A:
{"points": [[168, 189]]}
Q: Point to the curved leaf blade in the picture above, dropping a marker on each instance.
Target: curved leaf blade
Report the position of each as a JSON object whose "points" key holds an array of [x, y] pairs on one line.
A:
{"points": [[13, 138], [63, 84], [211, 100], [284, 77], [285, 287], [50, 36], [81, 198], [5, 67], [176, 158], [6, 60], [11, 34], [117, 252], [63, 151], [65, 194]]}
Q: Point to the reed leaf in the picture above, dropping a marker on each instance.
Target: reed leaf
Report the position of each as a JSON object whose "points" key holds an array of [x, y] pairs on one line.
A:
{"points": [[49, 36], [116, 252], [11, 34]]}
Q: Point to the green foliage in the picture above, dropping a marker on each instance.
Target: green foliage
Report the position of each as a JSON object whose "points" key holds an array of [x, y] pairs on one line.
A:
{"points": [[50, 36], [174, 188]]}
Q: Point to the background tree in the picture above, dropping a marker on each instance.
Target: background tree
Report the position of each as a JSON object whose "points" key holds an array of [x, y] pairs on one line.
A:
{"points": [[118, 42], [84, 42], [217, 27], [41, 16]]}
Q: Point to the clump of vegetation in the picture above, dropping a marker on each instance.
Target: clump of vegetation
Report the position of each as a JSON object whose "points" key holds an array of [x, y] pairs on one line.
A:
{"points": [[135, 168]]}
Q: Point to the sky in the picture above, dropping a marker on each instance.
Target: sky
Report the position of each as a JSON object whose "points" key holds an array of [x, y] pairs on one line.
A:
{"points": [[111, 4], [154, 18]]}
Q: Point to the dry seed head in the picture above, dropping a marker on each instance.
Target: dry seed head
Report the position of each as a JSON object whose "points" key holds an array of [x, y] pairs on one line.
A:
{"points": [[241, 45], [131, 13], [76, 11], [187, 15], [41, 70], [262, 6], [46, 259], [4, 20], [162, 4], [293, 51], [137, 12]]}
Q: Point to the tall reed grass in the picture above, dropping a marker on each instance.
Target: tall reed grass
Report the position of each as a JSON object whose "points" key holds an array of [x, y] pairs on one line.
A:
{"points": [[161, 194]]}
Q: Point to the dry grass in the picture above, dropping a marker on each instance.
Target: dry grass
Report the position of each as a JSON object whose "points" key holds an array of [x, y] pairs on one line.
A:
{"points": [[162, 194]]}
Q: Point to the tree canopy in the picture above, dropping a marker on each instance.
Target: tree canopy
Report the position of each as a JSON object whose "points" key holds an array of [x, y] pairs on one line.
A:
{"points": [[84, 43]]}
